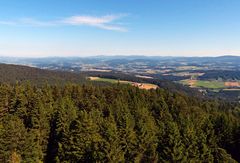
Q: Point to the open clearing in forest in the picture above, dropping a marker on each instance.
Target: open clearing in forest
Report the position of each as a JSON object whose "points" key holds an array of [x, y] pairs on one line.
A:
{"points": [[146, 86], [205, 84], [215, 85]]}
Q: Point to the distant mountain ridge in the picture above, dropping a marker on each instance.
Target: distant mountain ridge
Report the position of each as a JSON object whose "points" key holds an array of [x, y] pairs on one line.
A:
{"points": [[108, 57]]}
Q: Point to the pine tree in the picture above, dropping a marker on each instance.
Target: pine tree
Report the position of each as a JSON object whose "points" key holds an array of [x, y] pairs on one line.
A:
{"points": [[85, 142], [171, 145]]}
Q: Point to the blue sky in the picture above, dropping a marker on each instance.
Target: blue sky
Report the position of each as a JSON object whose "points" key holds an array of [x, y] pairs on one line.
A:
{"points": [[127, 27]]}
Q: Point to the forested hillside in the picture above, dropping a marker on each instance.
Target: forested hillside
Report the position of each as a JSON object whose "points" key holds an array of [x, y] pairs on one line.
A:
{"points": [[16, 73], [12, 74], [116, 123], [224, 75]]}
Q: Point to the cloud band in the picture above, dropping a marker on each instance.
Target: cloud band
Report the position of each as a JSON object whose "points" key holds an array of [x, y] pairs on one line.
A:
{"points": [[107, 22]]}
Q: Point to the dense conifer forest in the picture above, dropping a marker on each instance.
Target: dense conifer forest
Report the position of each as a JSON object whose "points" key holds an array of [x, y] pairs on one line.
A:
{"points": [[119, 123], [15, 73]]}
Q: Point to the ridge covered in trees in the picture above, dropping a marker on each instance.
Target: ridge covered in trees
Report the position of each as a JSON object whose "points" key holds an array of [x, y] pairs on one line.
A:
{"points": [[119, 123], [11, 74], [15, 73]]}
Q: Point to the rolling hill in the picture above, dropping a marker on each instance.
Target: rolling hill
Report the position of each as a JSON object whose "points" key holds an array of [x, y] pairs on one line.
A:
{"points": [[17, 73]]}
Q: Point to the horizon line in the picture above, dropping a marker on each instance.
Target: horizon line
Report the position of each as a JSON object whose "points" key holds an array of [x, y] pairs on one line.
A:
{"points": [[122, 55]]}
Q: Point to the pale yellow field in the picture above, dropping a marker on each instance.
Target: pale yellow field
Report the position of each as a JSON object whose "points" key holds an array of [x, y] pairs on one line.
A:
{"points": [[232, 84]]}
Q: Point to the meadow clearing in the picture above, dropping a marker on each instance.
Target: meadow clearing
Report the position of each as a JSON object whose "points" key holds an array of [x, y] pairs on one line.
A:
{"points": [[146, 86]]}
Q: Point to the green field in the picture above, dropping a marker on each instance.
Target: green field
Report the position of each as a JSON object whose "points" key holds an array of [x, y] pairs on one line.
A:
{"points": [[210, 84], [105, 80], [114, 81], [204, 84]]}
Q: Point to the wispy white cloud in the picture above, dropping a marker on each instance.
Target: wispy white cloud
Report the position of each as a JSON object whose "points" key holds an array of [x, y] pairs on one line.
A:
{"points": [[107, 22], [104, 22], [90, 20]]}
